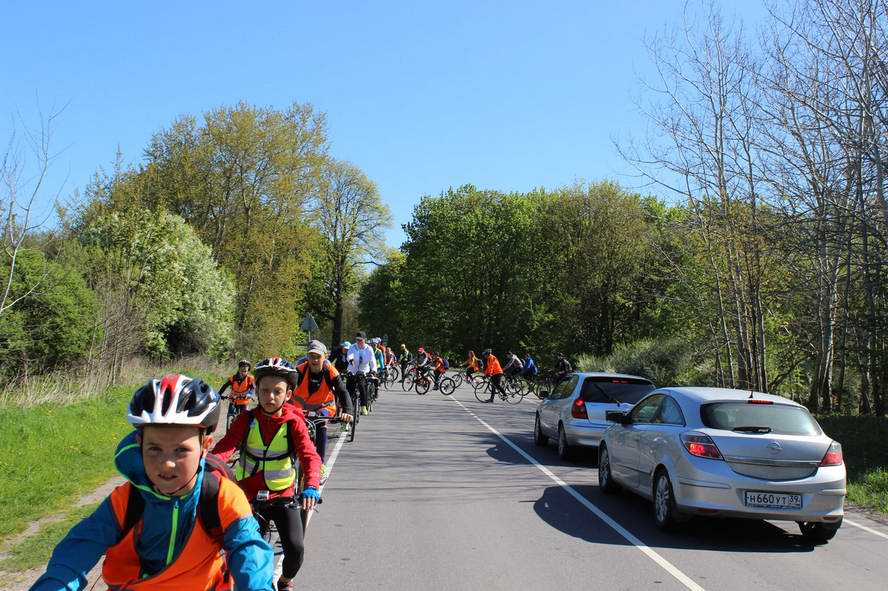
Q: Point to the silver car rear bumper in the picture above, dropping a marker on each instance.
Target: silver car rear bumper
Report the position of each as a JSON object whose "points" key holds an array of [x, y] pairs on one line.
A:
{"points": [[710, 487]]}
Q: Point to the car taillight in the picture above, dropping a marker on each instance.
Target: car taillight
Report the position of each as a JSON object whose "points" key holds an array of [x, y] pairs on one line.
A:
{"points": [[833, 455], [700, 445], [757, 401], [578, 410]]}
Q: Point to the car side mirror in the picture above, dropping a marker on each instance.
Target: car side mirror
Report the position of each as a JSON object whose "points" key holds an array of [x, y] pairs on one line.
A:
{"points": [[616, 416], [544, 393]]}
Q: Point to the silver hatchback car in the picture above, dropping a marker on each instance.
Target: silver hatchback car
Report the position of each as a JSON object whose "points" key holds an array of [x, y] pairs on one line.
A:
{"points": [[574, 412], [721, 452]]}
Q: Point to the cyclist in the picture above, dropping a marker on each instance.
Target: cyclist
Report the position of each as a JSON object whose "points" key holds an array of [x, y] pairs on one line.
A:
{"points": [[472, 365], [320, 389], [405, 359], [361, 364], [530, 367], [514, 365], [562, 367], [339, 357], [167, 526], [494, 371], [242, 386], [379, 351], [440, 366], [268, 437]]}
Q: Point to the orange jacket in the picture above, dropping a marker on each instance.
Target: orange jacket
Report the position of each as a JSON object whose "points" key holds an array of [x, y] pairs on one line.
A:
{"points": [[200, 564], [473, 363], [323, 397], [238, 389], [439, 365], [493, 367]]}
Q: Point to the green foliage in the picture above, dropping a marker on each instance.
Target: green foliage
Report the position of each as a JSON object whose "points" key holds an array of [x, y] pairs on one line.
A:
{"points": [[862, 438], [870, 490], [666, 362], [174, 283], [51, 324]]}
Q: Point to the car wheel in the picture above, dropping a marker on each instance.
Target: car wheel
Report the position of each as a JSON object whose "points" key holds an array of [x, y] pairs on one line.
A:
{"points": [[819, 533], [666, 513], [605, 478], [539, 439], [565, 451]]}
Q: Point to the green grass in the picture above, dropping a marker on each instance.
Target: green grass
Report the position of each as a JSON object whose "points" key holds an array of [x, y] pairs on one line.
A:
{"points": [[52, 455], [35, 550], [870, 490]]}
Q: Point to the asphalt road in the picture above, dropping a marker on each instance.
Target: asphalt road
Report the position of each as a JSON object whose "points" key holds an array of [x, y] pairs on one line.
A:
{"points": [[429, 497]]}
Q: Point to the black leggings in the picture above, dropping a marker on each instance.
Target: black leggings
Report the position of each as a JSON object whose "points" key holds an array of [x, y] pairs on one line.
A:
{"points": [[357, 382], [288, 519]]}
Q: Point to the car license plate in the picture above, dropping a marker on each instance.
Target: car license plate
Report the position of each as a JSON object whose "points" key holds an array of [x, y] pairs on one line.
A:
{"points": [[771, 500]]}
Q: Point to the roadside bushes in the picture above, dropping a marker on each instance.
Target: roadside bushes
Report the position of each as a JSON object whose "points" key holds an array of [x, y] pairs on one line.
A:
{"points": [[666, 362], [863, 440], [52, 324]]}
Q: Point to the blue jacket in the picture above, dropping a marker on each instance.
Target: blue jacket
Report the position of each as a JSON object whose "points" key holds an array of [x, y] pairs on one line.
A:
{"points": [[530, 368], [249, 557]]}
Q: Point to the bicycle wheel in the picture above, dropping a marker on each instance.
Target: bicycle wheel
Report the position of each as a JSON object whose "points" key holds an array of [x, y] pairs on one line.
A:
{"points": [[394, 373], [457, 379], [482, 392], [514, 396], [447, 386], [422, 385], [407, 384]]}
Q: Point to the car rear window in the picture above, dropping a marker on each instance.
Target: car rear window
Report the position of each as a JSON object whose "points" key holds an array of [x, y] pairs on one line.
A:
{"points": [[782, 419], [607, 389]]}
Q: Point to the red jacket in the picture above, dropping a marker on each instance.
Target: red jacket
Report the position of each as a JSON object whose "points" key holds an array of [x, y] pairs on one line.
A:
{"points": [[301, 443]]}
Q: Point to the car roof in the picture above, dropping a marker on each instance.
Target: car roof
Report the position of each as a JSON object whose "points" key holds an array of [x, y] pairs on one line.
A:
{"points": [[708, 394], [605, 374]]}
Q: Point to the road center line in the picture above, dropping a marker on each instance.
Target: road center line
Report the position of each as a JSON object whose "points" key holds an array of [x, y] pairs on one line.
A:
{"points": [[665, 564]]}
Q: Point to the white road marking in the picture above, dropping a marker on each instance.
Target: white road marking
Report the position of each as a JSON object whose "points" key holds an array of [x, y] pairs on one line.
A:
{"points": [[665, 564], [865, 528]]}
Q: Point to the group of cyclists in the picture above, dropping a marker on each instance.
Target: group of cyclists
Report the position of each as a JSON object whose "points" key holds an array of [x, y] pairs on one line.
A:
{"points": [[195, 513], [184, 519]]}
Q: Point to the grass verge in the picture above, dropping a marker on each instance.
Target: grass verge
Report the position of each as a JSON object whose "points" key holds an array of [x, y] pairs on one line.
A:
{"points": [[870, 490], [35, 550], [51, 455]]}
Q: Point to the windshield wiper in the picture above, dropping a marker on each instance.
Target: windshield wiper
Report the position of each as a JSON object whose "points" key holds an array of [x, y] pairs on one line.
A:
{"points": [[752, 429]]}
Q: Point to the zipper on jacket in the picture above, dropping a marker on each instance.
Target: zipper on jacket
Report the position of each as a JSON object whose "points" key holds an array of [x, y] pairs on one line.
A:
{"points": [[175, 526]]}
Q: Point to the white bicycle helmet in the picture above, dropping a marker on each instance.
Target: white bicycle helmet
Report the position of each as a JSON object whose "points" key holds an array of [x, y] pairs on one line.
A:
{"points": [[277, 366], [175, 400]]}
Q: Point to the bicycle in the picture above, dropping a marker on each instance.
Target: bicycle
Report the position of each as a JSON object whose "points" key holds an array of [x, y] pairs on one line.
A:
{"points": [[445, 384], [484, 387], [234, 410]]}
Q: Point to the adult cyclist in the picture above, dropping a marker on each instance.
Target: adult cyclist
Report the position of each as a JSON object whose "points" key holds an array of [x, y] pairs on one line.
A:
{"points": [[320, 389], [361, 365]]}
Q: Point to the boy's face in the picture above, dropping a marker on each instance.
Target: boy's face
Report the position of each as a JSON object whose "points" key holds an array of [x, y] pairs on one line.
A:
{"points": [[272, 393], [242, 370], [171, 454]]}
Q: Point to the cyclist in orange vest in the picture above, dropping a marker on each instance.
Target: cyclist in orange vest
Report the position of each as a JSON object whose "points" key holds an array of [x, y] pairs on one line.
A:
{"points": [[178, 522], [242, 387], [320, 389], [440, 368], [494, 371]]}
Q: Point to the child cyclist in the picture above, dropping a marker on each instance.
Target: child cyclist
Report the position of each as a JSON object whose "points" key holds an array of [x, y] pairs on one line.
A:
{"points": [[320, 389], [166, 527], [242, 386], [268, 437]]}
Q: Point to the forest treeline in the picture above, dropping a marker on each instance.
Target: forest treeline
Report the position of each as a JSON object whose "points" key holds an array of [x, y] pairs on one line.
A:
{"points": [[231, 227], [767, 269]]}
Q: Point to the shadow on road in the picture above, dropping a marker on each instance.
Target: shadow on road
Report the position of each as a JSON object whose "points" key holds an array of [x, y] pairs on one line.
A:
{"points": [[557, 508]]}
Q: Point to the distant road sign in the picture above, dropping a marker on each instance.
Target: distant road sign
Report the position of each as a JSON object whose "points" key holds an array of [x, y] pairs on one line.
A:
{"points": [[308, 324]]}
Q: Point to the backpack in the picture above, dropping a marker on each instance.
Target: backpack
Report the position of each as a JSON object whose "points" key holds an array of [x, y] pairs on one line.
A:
{"points": [[215, 469], [446, 363]]}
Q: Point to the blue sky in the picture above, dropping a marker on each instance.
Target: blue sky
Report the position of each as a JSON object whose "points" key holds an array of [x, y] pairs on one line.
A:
{"points": [[421, 95]]}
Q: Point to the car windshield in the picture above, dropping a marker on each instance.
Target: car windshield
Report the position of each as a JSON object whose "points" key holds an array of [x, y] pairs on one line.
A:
{"points": [[611, 389], [781, 419]]}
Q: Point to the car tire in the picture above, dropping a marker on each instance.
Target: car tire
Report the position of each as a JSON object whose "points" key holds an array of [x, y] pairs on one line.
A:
{"points": [[818, 533], [539, 438], [565, 451], [606, 482], [666, 513]]}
